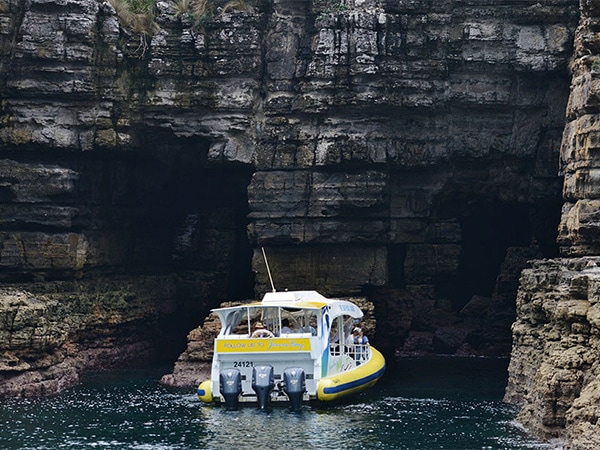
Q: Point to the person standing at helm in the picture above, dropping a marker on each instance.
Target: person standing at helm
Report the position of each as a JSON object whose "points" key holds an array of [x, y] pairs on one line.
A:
{"points": [[260, 331]]}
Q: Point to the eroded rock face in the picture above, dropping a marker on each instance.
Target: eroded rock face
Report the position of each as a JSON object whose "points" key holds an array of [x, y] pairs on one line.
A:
{"points": [[370, 173], [553, 370], [55, 330]]}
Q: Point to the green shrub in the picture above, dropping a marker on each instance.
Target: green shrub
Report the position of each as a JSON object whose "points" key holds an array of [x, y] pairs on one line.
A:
{"points": [[595, 68], [324, 7]]}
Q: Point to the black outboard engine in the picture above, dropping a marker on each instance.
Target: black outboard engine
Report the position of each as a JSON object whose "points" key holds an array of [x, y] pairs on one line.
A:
{"points": [[230, 381], [294, 385], [263, 382]]}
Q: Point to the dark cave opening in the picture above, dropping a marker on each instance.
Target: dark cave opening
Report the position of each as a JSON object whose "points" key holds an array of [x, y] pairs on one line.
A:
{"points": [[487, 230], [487, 233], [165, 209], [468, 310], [192, 215], [175, 211], [201, 210]]}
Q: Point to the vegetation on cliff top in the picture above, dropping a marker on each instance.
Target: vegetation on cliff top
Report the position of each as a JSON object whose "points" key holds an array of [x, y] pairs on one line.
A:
{"points": [[324, 7], [137, 15]]}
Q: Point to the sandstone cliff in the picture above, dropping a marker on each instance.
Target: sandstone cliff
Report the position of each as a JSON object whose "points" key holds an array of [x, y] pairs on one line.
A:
{"points": [[403, 151]]}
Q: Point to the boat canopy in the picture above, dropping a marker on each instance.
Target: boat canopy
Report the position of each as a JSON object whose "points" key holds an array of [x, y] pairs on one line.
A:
{"points": [[303, 309], [312, 300]]}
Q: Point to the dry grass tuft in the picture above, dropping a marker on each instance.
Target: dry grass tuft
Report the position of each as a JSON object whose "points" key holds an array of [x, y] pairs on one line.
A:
{"points": [[137, 15]]}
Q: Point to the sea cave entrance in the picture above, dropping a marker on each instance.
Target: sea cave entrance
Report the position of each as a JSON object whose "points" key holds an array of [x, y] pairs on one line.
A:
{"points": [[163, 208]]}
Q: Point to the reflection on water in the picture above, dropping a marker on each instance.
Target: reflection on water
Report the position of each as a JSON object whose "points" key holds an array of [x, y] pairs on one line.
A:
{"points": [[421, 404]]}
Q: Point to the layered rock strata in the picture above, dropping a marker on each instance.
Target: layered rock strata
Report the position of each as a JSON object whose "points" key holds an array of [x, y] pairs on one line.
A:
{"points": [[554, 368], [406, 152], [403, 149], [553, 372], [127, 226]]}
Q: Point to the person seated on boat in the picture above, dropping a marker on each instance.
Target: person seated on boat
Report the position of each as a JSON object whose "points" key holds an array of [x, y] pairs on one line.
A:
{"points": [[285, 327], [310, 327], [260, 331], [361, 343]]}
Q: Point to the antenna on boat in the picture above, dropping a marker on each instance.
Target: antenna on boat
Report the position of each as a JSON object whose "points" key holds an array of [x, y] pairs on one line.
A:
{"points": [[268, 270]]}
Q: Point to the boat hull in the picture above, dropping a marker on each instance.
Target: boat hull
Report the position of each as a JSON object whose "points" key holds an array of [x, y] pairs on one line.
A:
{"points": [[315, 359], [333, 387], [353, 381]]}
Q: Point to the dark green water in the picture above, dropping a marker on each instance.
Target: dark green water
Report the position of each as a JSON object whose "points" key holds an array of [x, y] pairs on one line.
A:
{"points": [[420, 404]]}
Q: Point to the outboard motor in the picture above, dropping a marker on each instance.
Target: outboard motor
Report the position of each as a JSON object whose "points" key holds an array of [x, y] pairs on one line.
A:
{"points": [[263, 382], [230, 381], [294, 385]]}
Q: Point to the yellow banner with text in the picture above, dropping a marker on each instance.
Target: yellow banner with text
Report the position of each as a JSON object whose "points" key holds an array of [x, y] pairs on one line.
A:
{"points": [[263, 345]]}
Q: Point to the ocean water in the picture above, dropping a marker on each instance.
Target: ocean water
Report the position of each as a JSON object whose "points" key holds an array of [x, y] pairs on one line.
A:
{"points": [[424, 404]]}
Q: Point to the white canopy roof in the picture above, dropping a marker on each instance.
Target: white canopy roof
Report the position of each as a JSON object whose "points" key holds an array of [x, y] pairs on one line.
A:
{"points": [[303, 300]]}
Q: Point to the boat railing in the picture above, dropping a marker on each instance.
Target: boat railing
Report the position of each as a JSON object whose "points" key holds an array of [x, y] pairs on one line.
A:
{"points": [[359, 352], [295, 335], [284, 335]]}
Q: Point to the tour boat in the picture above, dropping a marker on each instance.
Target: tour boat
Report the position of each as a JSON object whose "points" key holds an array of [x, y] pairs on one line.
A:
{"points": [[293, 346]]}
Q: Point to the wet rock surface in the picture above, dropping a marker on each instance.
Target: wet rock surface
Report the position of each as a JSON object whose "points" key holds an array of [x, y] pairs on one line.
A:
{"points": [[56, 330]]}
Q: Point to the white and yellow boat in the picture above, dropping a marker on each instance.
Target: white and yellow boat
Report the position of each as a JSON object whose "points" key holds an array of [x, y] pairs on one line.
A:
{"points": [[293, 346]]}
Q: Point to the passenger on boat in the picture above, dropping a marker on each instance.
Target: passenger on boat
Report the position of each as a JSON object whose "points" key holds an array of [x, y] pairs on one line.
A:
{"points": [[285, 326], [310, 327], [260, 331], [361, 343]]}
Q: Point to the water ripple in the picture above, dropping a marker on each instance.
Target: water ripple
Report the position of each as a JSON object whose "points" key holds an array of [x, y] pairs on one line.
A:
{"points": [[131, 410]]}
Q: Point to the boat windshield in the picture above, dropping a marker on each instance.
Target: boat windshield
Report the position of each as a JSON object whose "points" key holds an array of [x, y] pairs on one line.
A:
{"points": [[278, 320]]}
